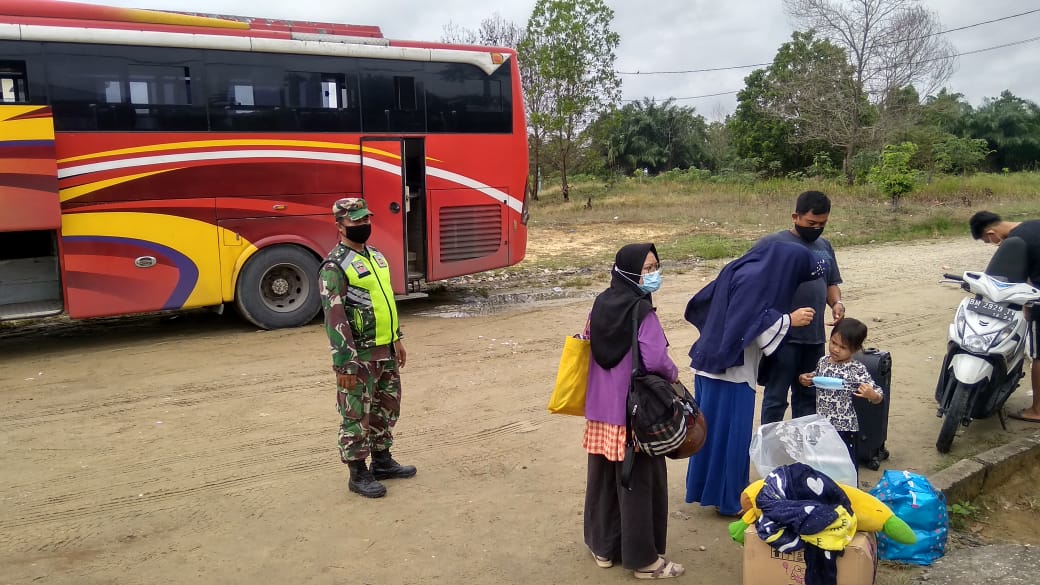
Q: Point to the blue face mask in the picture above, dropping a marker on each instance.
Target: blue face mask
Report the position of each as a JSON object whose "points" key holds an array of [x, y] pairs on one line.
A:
{"points": [[651, 282]]}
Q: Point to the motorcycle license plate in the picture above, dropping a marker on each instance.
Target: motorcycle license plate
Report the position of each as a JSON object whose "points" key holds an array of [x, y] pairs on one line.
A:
{"points": [[990, 309]]}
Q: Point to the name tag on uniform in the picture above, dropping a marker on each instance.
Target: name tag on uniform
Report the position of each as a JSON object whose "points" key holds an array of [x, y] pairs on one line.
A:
{"points": [[379, 260], [360, 268]]}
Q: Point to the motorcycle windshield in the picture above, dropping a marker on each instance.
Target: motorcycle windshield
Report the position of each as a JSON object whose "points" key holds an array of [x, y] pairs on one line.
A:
{"points": [[999, 291]]}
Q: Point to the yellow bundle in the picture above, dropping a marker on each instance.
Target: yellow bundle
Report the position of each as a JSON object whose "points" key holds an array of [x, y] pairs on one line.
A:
{"points": [[868, 514]]}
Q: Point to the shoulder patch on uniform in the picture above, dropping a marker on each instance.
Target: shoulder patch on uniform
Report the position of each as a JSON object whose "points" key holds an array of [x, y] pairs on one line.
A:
{"points": [[380, 259], [360, 268]]}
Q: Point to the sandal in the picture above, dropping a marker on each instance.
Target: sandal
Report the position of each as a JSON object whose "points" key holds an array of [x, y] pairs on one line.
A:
{"points": [[663, 569], [602, 562]]}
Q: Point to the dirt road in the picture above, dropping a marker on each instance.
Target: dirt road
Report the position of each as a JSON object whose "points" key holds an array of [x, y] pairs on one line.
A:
{"points": [[203, 451]]}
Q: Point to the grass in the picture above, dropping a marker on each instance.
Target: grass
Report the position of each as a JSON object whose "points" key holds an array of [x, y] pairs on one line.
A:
{"points": [[706, 246], [578, 282], [961, 514], [711, 220]]}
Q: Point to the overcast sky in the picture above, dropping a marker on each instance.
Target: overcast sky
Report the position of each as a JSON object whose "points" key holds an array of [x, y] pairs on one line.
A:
{"points": [[681, 35]]}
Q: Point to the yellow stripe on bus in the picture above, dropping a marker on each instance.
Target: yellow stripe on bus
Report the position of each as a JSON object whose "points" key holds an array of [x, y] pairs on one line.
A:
{"points": [[14, 130], [173, 19], [198, 240]]}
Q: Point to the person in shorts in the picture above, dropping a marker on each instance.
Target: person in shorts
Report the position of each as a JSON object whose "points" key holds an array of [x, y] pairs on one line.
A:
{"points": [[992, 229]]}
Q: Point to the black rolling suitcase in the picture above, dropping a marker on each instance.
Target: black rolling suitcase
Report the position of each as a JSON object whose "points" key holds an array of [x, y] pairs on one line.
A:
{"points": [[873, 418]]}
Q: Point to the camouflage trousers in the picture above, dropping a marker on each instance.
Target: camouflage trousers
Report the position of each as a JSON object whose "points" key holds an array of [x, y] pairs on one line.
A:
{"points": [[369, 410]]}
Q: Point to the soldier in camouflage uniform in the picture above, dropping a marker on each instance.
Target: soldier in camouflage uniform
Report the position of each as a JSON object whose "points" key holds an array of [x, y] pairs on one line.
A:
{"points": [[365, 336]]}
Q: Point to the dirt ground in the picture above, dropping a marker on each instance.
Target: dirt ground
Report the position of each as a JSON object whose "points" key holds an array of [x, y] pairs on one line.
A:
{"points": [[1008, 513], [200, 450]]}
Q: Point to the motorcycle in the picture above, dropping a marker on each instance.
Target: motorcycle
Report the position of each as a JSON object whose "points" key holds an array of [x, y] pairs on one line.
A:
{"points": [[985, 354]]}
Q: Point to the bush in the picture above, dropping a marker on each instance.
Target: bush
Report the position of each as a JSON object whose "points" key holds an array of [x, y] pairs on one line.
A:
{"points": [[961, 155], [731, 177], [690, 175], [822, 166], [893, 175], [862, 162]]}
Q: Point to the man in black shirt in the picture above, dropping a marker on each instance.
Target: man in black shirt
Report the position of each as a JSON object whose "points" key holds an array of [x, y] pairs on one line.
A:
{"points": [[990, 228], [803, 346]]}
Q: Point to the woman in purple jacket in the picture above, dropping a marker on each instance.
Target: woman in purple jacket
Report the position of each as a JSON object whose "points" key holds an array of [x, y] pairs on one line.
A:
{"points": [[629, 526]]}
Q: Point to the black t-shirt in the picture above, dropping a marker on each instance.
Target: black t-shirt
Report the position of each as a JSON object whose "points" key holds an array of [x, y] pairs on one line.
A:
{"points": [[1030, 232], [812, 293]]}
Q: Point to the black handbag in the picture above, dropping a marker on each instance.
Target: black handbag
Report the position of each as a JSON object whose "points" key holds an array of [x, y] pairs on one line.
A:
{"points": [[662, 417]]}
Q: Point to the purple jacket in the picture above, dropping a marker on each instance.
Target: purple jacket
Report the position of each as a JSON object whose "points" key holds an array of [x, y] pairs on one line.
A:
{"points": [[607, 391]]}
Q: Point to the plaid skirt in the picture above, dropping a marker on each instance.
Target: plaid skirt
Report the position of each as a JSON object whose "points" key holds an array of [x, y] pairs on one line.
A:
{"points": [[604, 439]]}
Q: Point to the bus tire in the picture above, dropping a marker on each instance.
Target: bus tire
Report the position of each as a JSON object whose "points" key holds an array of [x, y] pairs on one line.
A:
{"points": [[278, 288]]}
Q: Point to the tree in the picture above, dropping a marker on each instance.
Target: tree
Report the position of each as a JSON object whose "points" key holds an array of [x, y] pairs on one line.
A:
{"points": [[719, 148], [600, 153], [493, 31], [1011, 126], [960, 155], [892, 46], [810, 93], [570, 48], [938, 132], [758, 134], [893, 175], [946, 111], [537, 101], [890, 43], [648, 135]]}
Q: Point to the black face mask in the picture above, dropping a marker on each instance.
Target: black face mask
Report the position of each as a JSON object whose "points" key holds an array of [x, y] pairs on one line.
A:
{"points": [[358, 233], [809, 234]]}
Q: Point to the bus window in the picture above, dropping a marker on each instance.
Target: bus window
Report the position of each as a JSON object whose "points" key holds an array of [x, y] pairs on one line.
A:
{"points": [[462, 98], [245, 98], [87, 93], [22, 78], [322, 102], [404, 88], [392, 96], [101, 87], [13, 85], [161, 96]]}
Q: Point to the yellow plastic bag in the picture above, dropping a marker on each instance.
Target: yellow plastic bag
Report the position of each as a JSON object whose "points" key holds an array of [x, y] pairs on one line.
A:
{"points": [[572, 378]]}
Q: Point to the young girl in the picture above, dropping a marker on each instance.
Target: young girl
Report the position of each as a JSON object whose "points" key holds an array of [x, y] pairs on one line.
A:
{"points": [[847, 338]]}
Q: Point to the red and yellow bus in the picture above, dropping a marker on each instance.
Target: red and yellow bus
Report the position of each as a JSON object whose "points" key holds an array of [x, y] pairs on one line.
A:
{"points": [[154, 161]]}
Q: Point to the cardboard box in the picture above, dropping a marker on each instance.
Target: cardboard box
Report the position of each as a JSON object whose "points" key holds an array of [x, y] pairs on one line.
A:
{"points": [[765, 566]]}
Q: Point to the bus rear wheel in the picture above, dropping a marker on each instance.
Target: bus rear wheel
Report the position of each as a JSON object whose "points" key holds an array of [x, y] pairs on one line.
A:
{"points": [[278, 288]]}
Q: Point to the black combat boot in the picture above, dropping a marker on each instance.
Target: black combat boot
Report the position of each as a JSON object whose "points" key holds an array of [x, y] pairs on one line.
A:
{"points": [[384, 466], [362, 482]]}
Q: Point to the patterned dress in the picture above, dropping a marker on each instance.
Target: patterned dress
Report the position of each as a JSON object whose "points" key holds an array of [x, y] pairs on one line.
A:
{"points": [[836, 405]]}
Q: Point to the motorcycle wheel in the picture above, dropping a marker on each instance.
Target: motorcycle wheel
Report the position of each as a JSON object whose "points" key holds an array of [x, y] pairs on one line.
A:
{"points": [[954, 416]]}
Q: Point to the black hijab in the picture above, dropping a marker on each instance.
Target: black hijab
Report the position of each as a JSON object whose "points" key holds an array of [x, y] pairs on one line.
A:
{"points": [[611, 318]]}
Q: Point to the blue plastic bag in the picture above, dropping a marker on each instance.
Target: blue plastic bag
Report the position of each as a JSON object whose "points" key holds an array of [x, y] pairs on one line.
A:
{"points": [[916, 502]]}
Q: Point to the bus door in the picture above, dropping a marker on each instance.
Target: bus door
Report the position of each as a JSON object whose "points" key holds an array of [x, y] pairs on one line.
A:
{"points": [[30, 220], [393, 181]]}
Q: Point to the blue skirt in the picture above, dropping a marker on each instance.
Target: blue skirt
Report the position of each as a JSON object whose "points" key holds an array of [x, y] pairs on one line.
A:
{"points": [[719, 472]]}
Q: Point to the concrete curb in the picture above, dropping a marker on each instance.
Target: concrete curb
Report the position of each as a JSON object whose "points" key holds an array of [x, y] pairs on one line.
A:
{"points": [[965, 480]]}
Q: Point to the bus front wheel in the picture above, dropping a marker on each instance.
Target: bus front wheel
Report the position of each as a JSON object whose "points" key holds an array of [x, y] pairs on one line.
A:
{"points": [[278, 288]]}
